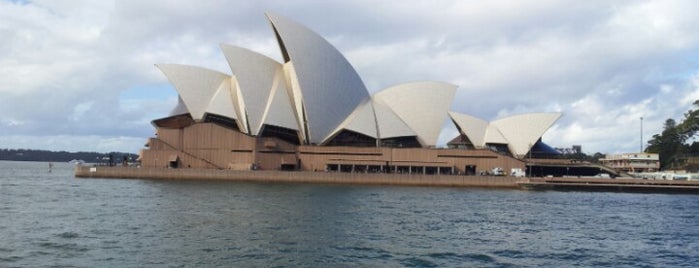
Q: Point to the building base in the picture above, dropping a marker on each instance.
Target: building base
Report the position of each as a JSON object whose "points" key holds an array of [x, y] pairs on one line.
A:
{"points": [[295, 176]]}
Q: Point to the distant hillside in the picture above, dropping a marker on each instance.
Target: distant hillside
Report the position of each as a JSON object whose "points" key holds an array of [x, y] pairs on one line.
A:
{"points": [[63, 156]]}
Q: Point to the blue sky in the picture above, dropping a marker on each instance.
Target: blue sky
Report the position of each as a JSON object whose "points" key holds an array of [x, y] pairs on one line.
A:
{"points": [[79, 75]]}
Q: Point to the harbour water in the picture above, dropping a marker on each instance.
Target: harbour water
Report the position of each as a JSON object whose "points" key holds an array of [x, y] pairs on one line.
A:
{"points": [[52, 219]]}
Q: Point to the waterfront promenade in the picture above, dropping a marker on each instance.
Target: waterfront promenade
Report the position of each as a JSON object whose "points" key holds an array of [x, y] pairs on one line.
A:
{"points": [[273, 176], [603, 184], [295, 176]]}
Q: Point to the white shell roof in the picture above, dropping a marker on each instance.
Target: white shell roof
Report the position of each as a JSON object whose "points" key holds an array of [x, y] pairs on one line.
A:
{"points": [[423, 106], [256, 75], [474, 128], [315, 91], [279, 110], [390, 125], [196, 86], [519, 132], [330, 86], [493, 135], [362, 120], [221, 102], [522, 131], [296, 96], [478, 131], [239, 107]]}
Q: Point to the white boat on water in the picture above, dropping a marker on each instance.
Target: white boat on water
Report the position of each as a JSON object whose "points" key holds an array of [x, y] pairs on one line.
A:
{"points": [[669, 176], [77, 162]]}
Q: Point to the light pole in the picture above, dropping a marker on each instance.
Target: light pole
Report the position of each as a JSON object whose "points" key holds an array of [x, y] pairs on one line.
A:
{"points": [[641, 135]]}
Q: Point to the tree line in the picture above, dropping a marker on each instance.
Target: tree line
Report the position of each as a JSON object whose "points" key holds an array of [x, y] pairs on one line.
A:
{"points": [[673, 144], [63, 156]]}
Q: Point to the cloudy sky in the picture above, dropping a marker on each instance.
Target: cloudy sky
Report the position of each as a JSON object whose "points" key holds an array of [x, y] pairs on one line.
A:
{"points": [[79, 75]]}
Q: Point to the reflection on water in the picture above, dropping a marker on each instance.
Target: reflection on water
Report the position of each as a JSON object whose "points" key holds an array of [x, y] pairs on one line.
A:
{"points": [[55, 219]]}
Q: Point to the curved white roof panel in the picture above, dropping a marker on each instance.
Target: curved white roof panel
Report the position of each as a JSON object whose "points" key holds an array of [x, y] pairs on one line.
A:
{"points": [[519, 132], [239, 107], [294, 92], [423, 106], [474, 128], [493, 135], [221, 102], [522, 131], [362, 120], [255, 74], [196, 86], [330, 86], [390, 125], [279, 110]]}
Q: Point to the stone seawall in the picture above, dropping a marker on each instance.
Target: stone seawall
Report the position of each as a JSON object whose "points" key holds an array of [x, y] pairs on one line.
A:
{"points": [[613, 185], [295, 176]]}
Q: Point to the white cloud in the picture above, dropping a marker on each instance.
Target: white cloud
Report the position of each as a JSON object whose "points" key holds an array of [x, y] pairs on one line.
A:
{"points": [[603, 64]]}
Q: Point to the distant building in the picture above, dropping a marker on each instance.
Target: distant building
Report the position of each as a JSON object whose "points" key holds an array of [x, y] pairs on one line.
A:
{"points": [[575, 149], [632, 162]]}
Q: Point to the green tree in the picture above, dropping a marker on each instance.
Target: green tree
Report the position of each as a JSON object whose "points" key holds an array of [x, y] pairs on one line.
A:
{"points": [[597, 156], [672, 142], [690, 125]]}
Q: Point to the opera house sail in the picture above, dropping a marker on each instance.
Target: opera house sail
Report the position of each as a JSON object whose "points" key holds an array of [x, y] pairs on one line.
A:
{"points": [[311, 111]]}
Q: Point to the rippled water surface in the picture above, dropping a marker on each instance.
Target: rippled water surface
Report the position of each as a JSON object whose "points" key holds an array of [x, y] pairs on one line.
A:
{"points": [[53, 219]]}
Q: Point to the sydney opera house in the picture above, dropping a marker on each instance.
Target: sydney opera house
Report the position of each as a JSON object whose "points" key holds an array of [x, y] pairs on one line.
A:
{"points": [[312, 112]]}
